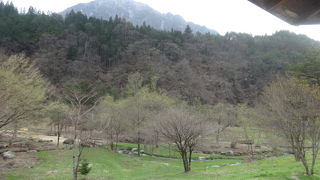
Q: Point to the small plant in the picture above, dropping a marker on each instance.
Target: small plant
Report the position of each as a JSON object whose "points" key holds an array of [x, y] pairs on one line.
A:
{"points": [[84, 168]]}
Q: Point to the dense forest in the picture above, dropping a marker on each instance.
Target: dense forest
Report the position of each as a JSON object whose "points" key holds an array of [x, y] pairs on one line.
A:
{"points": [[233, 68]]}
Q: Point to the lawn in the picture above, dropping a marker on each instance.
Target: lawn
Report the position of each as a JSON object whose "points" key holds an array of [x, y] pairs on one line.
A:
{"points": [[56, 165]]}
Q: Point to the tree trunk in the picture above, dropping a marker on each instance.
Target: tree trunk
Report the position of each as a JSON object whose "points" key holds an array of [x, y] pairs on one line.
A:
{"points": [[218, 136], [297, 157], [190, 158], [295, 153], [58, 135], [76, 160], [117, 141], [304, 162], [75, 166], [112, 146], [315, 150], [58, 140], [75, 174], [139, 143], [185, 161], [302, 157], [14, 134], [139, 148]]}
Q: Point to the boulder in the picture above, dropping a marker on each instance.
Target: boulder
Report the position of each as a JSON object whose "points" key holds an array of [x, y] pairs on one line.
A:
{"points": [[44, 141], [215, 166], [207, 152], [134, 149], [32, 151], [236, 164], [68, 141], [2, 146], [229, 153], [237, 154], [19, 144], [8, 155]]}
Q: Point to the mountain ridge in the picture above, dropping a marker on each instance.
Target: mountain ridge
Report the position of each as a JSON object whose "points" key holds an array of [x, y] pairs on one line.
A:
{"points": [[136, 13]]}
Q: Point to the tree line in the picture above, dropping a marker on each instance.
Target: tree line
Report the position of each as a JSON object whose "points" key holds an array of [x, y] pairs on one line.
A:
{"points": [[233, 68]]}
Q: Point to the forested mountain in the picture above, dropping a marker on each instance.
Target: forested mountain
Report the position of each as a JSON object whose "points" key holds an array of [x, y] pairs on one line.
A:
{"points": [[232, 68], [136, 13]]}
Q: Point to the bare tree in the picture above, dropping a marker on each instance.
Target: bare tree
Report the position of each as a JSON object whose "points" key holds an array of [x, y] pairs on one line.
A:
{"points": [[246, 118], [136, 112], [221, 115], [183, 128], [58, 113], [82, 97], [111, 119], [295, 106]]}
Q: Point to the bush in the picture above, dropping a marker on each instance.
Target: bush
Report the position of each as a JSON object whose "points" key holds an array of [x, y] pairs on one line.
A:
{"points": [[85, 168]]}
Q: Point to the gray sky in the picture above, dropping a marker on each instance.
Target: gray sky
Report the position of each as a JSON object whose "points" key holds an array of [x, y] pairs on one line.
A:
{"points": [[220, 15]]}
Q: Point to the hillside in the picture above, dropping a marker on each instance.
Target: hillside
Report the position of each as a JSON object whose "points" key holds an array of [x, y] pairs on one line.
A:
{"points": [[136, 13], [233, 68]]}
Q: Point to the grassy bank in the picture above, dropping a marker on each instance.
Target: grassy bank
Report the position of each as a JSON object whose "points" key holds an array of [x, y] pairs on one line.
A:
{"points": [[56, 165]]}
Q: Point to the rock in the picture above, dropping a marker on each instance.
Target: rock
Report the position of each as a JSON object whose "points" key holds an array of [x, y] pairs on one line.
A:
{"points": [[215, 166], [44, 141], [8, 155], [32, 151], [68, 141], [18, 144], [134, 149], [229, 153], [236, 164], [237, 154], [207, 152], [120, 152], [2, 146], [258, 146], [202, 158], [141, 151], [52, 134], [166, 164]]}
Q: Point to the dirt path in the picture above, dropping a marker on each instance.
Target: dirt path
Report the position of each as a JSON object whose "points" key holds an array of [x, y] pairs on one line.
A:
{"points": [[54, 139], [38, 136]]}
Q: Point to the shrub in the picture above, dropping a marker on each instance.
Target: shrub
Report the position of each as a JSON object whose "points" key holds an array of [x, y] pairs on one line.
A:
{"points": [[85, 168]]}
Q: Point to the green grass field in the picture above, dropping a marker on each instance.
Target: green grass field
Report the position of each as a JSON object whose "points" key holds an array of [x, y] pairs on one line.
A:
{"points": [[109, 165]]}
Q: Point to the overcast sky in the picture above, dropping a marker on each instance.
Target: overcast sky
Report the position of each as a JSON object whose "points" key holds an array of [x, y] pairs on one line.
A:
{"points": [[220, 15]]}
